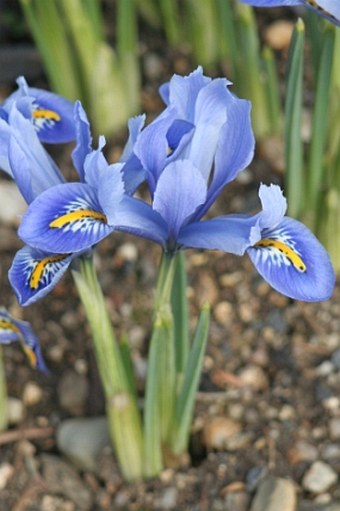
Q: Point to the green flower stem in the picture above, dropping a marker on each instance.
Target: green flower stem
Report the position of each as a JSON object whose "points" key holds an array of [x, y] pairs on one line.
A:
{"points": [[3, 394], [179, 305], [122, 410], [161, 378]]}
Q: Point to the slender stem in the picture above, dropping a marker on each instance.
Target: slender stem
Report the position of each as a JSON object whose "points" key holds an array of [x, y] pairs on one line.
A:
{"points": [[180, 312], [3, 395], [161, 378], [122, 410]]}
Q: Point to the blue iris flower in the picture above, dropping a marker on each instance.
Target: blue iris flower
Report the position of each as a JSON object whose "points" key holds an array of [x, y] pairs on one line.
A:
{"points": [[12, 330], [201, 142], [329, 9], [50, 114], [90, 205]]}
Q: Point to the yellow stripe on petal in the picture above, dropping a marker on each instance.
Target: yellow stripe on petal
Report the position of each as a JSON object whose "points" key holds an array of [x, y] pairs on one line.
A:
{"points": [[39, 269], [46, 114], [7, 325], [75, 216], [288, 252], [30, 355]]}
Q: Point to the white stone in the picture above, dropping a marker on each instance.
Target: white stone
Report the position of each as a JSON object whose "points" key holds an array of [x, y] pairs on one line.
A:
{"points": [[319, 477]]}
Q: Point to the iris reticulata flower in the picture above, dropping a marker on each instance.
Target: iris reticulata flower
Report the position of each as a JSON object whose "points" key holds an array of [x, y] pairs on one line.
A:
{"points": [[12, 330], [50, 114], [199, 143], [329, 9]]}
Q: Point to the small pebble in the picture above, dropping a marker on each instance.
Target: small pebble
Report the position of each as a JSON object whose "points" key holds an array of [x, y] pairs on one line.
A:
{"points": [[275, 494], [128, 252], [278, 34], [82, 439], [255, 476], [254, 377], [168, 498], [32, 394], [325, 368], [302, 451], [319, 477], [334, 428], [15, 411], [331, 452], [237, 501], [217, 431], [73, 392], [223, 313], [6, 472]]}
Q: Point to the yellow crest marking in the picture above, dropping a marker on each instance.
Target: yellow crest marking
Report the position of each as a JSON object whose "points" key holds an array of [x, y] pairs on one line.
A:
{"points": [[292, 256], [40, 267], [77, 215], [46, 114], [30, 355], [7, 325]]}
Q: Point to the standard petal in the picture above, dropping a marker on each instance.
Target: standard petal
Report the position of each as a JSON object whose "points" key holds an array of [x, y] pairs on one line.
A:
{"points": [[12, 329], [182, 92], [235, 148], [152, 148], [34, 273], [230, 233], [135, 125], [83, 138], [31, 166], [180, 190], [64, 219], [294, 262]]}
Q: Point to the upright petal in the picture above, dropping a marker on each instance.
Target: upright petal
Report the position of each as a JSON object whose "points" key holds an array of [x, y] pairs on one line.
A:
{"points": [[35, 273], [294, 262], [83, 138], [31, 166], [235, 148], [180, 190]]}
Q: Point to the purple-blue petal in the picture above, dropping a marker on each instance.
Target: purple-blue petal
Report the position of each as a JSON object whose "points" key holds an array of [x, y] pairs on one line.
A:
{"points": [[229, 233], [180, 190], [31, 166], [293, 261], [64, 219], [83, 138], [329, 9], [235, 148], [138, 218], [35, 273], [52, 115], [12, 329]]}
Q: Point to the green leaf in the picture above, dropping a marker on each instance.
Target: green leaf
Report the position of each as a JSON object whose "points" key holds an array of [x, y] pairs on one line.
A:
{"points": [[186, 399], [293, 116]]}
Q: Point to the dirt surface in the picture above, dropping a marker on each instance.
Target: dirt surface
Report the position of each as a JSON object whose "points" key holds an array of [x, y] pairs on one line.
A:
{"points": [[268, 406]]}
